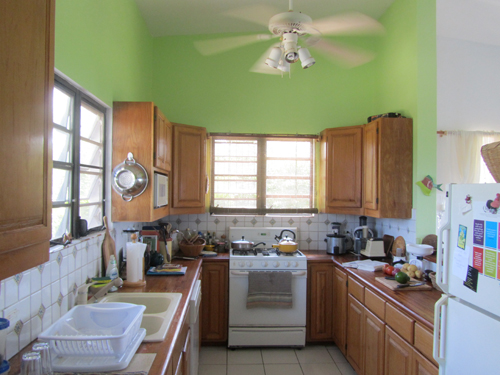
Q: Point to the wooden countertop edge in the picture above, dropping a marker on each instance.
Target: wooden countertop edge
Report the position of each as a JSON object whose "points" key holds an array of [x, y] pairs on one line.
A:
{"points": [[394, 298]]}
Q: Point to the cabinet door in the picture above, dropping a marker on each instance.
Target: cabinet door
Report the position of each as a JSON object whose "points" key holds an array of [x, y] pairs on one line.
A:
{"points": [[343, 170], [340, 309], [162, 141], [422, 366], [355, 315], [320, 302], [189, 169], [373, 341], [214, 302], [370, 165], [27, 81], [398, 354], [186, 354]]}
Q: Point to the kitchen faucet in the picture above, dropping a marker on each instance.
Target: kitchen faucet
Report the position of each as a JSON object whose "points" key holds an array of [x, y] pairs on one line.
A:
{"points": [[82, 293]]}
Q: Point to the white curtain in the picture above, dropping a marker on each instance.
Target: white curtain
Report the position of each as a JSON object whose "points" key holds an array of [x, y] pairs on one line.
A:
{"points": [[459, 161]]}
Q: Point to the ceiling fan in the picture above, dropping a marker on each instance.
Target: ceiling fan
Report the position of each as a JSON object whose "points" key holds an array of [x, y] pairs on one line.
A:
{"points": [[289, 27]]}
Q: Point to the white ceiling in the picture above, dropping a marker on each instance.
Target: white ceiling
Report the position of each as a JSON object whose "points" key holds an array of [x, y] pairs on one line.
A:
{"points": [[189, 17]]}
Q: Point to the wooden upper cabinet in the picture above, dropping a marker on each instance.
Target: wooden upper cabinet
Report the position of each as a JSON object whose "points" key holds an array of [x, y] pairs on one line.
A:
{"points": [[341, 158], [388, 168], [27, 76], [189, 176], [162, 141], [140, 128]]}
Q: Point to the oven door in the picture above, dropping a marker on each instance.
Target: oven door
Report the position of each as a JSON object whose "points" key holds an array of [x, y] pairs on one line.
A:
{"points": [[239, 315]]}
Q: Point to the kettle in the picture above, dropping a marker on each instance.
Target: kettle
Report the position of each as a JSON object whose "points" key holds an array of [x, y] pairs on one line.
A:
{"points": [[287, 245]]}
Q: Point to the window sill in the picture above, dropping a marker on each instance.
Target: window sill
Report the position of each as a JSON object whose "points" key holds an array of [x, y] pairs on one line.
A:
{"points": [[74, 242]]}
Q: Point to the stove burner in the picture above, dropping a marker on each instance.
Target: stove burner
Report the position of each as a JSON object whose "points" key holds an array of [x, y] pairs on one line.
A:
{"points": [[245, 252]]}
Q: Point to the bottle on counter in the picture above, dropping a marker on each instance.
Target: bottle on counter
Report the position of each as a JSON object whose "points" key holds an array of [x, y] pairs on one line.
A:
{"points": [[112, 271]]}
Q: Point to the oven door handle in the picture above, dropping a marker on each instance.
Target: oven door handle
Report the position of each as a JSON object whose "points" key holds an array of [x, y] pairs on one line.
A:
{"points": [[245, 273]]}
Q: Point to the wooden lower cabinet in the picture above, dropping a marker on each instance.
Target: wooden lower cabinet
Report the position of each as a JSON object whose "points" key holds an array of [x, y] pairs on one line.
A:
{"points": [[355, 314], [181, 355], [422, 366], [320, 302], [214, 303], [373, 342], [340, 309]]}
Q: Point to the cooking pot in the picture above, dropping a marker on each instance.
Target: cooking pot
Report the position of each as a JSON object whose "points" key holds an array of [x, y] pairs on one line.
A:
{"points": [[244, 244], [336, 244], [286, 245]]}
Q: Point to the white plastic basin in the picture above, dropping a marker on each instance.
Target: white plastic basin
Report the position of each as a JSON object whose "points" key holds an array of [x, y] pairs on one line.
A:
{"points": [[419, 250], [160, 310]]}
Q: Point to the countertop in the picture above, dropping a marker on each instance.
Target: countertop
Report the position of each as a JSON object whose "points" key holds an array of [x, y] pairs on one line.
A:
{"points": [[418, 304]]}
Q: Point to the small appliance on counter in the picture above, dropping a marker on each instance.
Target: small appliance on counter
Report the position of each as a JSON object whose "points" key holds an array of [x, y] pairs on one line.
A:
{"points": [[361, 235], [337, 242], [374, 248]]}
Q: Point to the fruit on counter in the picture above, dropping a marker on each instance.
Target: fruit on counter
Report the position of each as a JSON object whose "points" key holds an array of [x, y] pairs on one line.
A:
{"points": [[395, 271], [402, 278], [388, 270], [418, 274], [412, 268]]}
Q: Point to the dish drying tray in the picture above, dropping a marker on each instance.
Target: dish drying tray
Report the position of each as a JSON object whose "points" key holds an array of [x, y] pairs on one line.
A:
{"points": [[103, 334]]}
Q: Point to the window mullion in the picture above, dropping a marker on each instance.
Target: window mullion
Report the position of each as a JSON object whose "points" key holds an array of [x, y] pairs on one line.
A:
{"points": [[75, 191], [261, 174]]}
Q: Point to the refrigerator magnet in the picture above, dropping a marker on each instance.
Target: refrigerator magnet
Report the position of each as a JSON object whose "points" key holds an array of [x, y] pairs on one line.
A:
{"points": [[462, 236], [467, 205]]}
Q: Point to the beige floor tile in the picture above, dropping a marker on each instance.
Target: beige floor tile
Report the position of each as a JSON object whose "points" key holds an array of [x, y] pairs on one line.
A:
{"points": [[337, 355], [213, 355], [281, 355], [283, 369], [212, 370], [313, 355], [320, 369], [346, 369], [245, 370], [244, 356]]}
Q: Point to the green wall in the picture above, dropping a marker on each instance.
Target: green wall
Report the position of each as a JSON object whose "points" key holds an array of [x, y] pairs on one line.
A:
{"points": [[105, 47], [407, 84]]}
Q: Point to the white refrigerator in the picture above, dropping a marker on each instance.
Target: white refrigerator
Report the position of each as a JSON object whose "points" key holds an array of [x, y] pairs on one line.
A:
{"points": [[467, 317]]}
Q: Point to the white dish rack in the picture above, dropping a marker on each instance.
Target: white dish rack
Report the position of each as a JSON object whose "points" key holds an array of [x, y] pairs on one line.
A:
{"points": [[108, 331]]}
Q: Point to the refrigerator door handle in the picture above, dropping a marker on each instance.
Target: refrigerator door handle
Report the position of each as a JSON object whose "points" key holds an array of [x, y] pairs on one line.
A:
{"points": [[440, 329], [442, 267]]}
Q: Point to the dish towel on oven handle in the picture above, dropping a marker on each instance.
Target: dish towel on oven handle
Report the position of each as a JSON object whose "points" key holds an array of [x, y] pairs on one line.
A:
{"points": [[269, 289]]}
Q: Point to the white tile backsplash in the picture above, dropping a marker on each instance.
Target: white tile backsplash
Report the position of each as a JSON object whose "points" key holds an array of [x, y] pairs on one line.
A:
{"points": [[32, 302]]}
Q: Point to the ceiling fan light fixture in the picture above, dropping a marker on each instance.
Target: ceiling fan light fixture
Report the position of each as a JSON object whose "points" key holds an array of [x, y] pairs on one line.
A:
{"points": [[274, 58], [305, 58], [290, 46], [284, 66]]}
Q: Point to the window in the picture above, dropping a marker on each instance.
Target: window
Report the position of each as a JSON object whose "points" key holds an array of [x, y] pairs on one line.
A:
{"points": [[78, 160], [262, 175]]}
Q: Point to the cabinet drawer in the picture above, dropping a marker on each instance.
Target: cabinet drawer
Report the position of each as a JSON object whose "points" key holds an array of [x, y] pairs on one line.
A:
{"points": [[356, 289], [401, 323], [375, 304], [424, 342]]}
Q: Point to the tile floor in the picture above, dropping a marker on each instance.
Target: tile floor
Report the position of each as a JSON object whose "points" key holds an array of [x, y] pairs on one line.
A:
{"points": [[311, 360]]}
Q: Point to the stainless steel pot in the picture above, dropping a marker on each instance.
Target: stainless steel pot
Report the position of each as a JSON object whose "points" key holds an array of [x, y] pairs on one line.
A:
{"points": [[130, 179], [244, 244], [336, 244]]}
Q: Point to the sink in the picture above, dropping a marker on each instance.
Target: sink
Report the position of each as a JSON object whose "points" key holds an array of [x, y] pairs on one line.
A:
{"points": [[160, 310]]}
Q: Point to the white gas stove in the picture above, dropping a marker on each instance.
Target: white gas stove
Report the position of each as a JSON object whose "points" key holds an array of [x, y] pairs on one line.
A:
{"points": [[265, 326]]}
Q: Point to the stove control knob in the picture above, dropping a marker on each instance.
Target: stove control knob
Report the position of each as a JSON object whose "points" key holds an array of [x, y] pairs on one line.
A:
{"points": [[249, 264], [276, 264], [295, 264], [264, 264], [241, 264], [287, 264]]}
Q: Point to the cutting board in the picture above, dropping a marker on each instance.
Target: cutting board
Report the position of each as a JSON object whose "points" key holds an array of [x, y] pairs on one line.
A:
{"points": [[108, 246], [392, 284], [400, 243]]}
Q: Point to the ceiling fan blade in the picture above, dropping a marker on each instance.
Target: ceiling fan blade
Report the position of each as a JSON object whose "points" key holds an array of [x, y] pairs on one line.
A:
{"points": [[214, 46], [349, 57], [260, 65], [259, 14], [347, 24]]}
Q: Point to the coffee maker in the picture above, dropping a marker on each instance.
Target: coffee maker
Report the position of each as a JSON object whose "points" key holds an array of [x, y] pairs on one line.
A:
{"points": [[361, 235]]}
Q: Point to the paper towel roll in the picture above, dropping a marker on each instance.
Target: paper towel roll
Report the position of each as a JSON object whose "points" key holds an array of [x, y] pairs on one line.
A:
{"points": [[135, 261]]}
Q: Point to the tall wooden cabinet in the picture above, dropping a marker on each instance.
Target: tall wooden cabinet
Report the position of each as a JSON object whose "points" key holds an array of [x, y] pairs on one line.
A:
{"points": [[141, 128], [189, 183], [388, 168], [341, 170], [27, 79], [319, 302], [340, 309], [368, 169], [214, 311]]}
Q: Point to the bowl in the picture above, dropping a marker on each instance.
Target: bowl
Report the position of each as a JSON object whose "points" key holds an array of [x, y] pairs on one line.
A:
{"points": [[419, 250], [192, 250]]}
